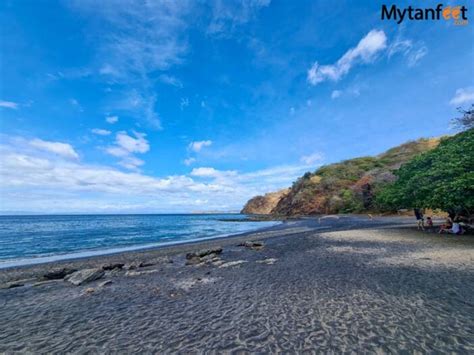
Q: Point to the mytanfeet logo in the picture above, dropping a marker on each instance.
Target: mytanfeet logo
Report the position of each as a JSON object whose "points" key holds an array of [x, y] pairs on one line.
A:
{"points": [[457, 14]]}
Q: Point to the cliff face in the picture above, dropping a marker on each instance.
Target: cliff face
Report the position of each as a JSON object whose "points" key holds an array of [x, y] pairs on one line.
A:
{"points": [[345, 187], [264, 204]]}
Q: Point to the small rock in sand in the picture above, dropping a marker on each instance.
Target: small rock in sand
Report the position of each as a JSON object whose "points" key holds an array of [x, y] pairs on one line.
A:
{"points": [[86, 275], [232, 263], [89, 290], [254, 245], [204, 252], [113, 266], [193, 261], [58, 274], [269, 261], [12, 284], [47, 282]]}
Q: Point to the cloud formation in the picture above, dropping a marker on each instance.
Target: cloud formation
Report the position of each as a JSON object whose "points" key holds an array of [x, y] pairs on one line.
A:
{"points": [[111, 119], [33, 181], [312, 159], [8, 104], [100, 132], [126, 146], [366, 51], [62, 149], [413, 52], [463, 96], [198, 145]]}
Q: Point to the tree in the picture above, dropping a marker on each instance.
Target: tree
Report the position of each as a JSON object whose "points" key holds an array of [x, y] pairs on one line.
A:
{"points": [[466, 121], [440, 178]]}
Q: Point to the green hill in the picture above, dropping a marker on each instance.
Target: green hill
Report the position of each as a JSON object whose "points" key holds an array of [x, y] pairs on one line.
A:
{"points": [[345, 187]]}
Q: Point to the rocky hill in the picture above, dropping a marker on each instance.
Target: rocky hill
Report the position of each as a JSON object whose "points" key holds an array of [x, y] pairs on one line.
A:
{"points": [[345, 187], [264, 204]]}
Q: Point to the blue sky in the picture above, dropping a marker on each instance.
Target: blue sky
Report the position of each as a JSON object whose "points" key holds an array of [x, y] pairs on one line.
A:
{"points": [[162, 106]]}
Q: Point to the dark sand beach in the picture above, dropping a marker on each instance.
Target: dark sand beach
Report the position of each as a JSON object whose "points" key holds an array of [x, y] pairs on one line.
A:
{"points": [[333, 285]]}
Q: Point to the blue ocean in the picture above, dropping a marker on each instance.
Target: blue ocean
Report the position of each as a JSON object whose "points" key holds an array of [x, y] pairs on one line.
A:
{"points": [[33, 239]]}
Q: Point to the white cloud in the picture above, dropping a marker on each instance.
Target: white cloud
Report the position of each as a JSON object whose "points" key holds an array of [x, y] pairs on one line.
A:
{"points": [[198, 145], [413, 52], [312, 159], [335, 94], [126, 146], [138, 39], [415, 56], [171, 80], [111, 119], [62, 149], [140, 105], [205, 172], [189, 161], [184, 103], [137, 144], [8, 104], [100, 132], [108, 69], [366, 51], [463, 96]]}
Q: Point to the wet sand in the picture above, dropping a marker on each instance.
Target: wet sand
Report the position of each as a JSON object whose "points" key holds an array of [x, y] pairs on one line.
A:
{"points": [[347, 284]]}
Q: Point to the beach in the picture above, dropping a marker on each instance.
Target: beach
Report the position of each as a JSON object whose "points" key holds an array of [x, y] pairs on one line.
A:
{"points": [[327, 284]]}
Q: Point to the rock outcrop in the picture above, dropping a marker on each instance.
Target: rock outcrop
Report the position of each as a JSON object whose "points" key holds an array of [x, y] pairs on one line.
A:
{"points": [[87, 275], [264, 204]]}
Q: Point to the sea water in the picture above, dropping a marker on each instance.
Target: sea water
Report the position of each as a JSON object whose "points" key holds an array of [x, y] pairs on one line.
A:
{"points": [[34, 239]]}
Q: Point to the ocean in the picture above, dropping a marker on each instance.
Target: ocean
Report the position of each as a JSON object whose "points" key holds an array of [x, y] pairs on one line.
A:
{"points": [[26, 240]]}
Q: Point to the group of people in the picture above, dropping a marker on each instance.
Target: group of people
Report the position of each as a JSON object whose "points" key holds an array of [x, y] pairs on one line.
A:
{"points": [[451, 225]]}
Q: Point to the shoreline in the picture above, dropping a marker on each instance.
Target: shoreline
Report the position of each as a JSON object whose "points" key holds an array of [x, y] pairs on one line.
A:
{"points": [[84, 254]]}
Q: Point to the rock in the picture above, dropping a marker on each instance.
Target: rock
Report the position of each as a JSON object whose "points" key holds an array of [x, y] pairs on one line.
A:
{"points": [[204, 252], [146, 264], [112, 266], [138, 273], [58, 274], [232, 263], [269, 261], [105, 283], [12, 284], [89, 290], [86, 275], [193, 261], [47, 282], [255, 245]]}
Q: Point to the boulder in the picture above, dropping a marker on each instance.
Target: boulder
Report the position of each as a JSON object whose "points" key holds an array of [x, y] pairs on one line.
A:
{"points": [[255, 245], [204, 252], [58, 273], [112, 266], [12, 284], [86, 275]]}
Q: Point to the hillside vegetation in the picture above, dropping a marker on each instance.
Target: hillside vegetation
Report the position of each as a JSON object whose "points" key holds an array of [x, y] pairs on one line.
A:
{"points": [[440, 178], [345, 187]]}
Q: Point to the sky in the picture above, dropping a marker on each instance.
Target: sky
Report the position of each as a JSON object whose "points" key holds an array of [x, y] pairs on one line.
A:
{"points": [[184, 106]]}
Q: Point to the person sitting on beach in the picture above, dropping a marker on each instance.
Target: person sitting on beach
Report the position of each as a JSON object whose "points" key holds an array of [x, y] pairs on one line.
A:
{"points": [[452, 227], [419, 218], [429, 223]]}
